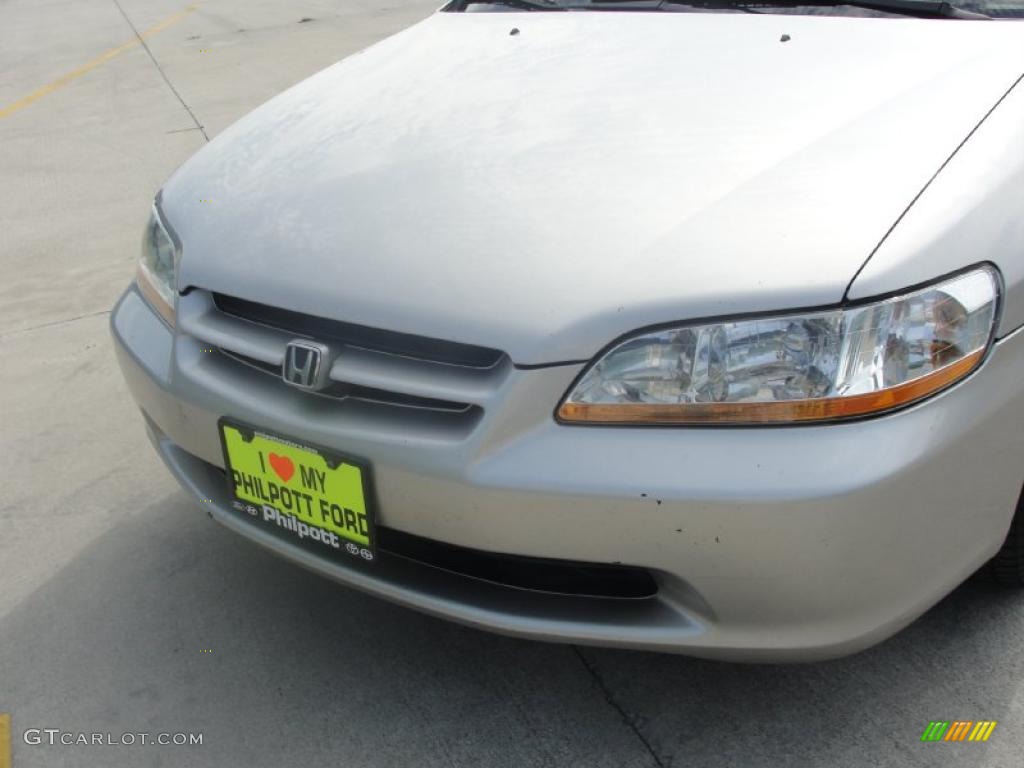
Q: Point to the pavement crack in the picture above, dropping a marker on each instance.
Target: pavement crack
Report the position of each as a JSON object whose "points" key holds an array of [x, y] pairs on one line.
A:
{"points": [[52, 323], [623, 715], [160, 69]]}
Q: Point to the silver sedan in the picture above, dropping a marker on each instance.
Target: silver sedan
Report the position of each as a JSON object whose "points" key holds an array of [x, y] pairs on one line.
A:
{"points": [[687, 331]]}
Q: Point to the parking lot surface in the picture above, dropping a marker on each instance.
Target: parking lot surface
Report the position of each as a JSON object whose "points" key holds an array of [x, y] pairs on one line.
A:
{"points": [[124, 609]]}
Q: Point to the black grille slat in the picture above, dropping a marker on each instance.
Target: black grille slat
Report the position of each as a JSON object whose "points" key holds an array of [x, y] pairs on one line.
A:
{"points": [[536, 574], [391, 342]]}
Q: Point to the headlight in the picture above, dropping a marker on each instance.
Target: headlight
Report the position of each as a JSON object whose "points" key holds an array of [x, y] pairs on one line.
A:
{"points": [[157, 264], [830, 364]]}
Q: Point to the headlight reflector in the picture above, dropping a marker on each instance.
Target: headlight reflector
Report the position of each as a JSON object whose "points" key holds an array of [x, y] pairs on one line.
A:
{"points": [[157, 267], [832, 364]]}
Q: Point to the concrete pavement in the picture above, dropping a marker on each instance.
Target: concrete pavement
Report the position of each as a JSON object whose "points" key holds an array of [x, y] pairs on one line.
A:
{"points": [[124, 609]]}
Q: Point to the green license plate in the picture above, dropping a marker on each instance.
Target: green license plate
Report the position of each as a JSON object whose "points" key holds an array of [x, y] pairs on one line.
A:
{"points": [[315, 496]]}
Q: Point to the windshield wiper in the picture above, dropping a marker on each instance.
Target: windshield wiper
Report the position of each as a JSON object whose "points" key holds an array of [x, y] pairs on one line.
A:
{"points": [[657, 5], [922, 8], [520, 5]]}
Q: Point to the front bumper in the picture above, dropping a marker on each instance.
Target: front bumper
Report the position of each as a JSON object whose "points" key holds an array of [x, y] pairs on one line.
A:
{"points": [[766, 544]]}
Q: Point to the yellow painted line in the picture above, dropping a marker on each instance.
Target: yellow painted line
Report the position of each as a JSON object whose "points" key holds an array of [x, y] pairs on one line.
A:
{"points": [[74, 74], [5, 741]]}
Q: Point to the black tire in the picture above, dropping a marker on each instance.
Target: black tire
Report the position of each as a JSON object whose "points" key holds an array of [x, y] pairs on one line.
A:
{"points": [[1007, 567]]}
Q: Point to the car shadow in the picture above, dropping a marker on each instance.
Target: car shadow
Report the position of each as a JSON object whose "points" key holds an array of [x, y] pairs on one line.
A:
{"points": [[170, 623]]}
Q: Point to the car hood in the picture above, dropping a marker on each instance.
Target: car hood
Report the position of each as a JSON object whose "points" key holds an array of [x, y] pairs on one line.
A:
{"points": [[542, 183]]}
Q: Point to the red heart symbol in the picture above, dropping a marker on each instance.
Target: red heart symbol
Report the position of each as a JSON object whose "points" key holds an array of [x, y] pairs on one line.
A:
{"points": [[282, 465]]}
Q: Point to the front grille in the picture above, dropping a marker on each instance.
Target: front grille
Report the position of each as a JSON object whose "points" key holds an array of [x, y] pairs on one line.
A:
{"points": [[380, 369]]}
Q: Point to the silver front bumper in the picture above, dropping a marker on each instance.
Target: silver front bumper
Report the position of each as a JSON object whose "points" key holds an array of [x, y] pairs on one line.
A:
{"points": [[772, 543]]}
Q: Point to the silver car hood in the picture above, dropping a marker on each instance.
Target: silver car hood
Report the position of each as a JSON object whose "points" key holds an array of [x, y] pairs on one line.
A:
{"points": [[546, 191]]}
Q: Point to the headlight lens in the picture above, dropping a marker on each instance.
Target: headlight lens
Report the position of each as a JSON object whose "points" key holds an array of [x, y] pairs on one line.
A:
{"points": [[831, 364], [157, 265]]}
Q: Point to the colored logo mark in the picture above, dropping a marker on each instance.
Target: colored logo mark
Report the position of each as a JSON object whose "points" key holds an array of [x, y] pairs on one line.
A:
{"points": [[958, 730]]}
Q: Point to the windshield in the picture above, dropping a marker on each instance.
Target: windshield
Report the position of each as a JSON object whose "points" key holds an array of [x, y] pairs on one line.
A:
{"points": [[995, 9]]}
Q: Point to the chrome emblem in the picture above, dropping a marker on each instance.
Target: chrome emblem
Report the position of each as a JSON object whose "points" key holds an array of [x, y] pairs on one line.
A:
{"points": [[306, 364]]}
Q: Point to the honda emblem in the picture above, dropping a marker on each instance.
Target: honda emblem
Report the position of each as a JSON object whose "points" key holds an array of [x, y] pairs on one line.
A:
{"points": [[306, 364]]}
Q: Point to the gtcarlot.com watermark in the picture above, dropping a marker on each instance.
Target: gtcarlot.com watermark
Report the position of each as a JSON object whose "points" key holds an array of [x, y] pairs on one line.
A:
{"points": [[63, 737], [55, 736]]}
